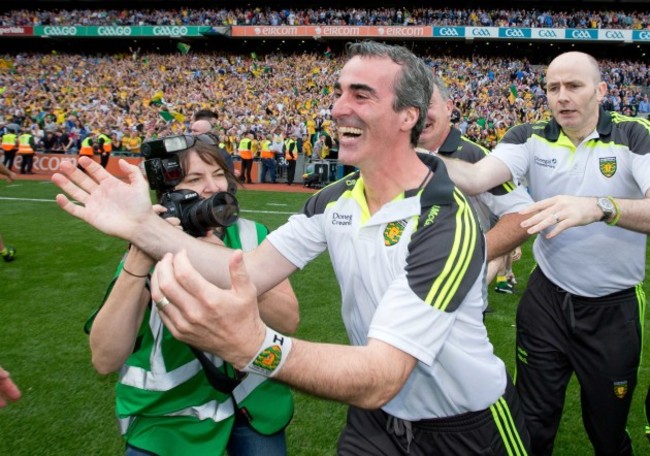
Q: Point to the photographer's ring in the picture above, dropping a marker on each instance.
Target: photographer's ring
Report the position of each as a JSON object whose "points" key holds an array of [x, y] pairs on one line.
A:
{"points": [[162, 303], [557, 219]]}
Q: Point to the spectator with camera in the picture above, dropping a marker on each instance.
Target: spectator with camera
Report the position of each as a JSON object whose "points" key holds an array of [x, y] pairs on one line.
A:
{"points": [[172, 398]]}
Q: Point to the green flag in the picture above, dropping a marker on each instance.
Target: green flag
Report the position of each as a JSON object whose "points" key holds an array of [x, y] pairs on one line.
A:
{"points": [[253, 56], [513, 90], [166, 115], [183, 47]]}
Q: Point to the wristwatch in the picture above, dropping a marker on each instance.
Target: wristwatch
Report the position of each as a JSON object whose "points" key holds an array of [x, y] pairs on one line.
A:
{"points": [[607, 206]]}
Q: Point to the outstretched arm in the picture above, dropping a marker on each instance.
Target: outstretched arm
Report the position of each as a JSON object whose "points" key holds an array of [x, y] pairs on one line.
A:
{"points": [[123, 209], [226, 322], [566, 211], [478, 177]]}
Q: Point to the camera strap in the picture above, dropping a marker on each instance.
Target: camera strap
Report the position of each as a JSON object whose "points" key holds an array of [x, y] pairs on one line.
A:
{"points": [[217, 379], [221, 382]]}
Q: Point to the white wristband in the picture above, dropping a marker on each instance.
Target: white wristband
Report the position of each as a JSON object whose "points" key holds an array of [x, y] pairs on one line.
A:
{"points": [[271, 355]]}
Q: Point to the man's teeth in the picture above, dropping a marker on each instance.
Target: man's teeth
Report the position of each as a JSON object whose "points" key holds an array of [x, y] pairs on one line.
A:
{"points": [[350, 131]]}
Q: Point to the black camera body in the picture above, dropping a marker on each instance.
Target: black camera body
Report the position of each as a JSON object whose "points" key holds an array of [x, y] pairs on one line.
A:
{"points": [[197, 215]]}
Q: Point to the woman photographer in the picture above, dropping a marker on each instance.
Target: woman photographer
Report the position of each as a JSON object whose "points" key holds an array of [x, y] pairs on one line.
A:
{"points": [[166, 404]]}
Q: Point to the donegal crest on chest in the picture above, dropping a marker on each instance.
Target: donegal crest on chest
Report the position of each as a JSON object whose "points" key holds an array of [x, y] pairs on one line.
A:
{"points": [[607, 166]]}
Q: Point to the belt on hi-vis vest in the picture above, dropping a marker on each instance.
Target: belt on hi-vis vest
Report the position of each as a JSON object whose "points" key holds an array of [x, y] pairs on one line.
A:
{"points": [[87, 151], [267, 154], [246, 154], [25, 149]]}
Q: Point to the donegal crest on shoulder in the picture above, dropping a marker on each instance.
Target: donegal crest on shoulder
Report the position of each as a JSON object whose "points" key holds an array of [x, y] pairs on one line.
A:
{"points": [[393, 232], [608, 166]]}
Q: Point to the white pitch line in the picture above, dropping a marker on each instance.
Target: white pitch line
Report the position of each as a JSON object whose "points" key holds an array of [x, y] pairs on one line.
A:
{"points": [[36, 200]]}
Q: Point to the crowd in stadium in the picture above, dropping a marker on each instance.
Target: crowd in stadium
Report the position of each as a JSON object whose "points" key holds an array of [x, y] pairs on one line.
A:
{"points": [[513, 17], [136, 96]]}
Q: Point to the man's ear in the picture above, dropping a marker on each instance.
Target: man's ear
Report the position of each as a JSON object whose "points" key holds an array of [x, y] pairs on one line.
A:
{"points": [[450, 107], [410, 118], [601, 91]]}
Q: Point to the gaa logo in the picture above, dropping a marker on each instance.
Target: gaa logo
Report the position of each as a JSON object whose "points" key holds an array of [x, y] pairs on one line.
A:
{"points": [[547, 33], [114, 31], [448, 31], [643, 35], [514, 33], [480, 32], [170, 31], [614, 34], [581, 35], [60, 31]]}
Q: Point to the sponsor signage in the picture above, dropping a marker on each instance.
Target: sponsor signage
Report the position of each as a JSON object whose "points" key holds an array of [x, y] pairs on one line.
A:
{"points": [[482, 32], [407, 32], [449, 32], [514, 32], [615, 35], [339, 30], [123, 31], [49, 30], [342, 31], [581, 34], [641, 35], [547, 33], [47, 164], [16, 31], [109, 31]]}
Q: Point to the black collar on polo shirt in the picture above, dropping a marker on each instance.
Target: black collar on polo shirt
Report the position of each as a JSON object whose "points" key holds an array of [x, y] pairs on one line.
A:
{"points": [[604, 126]]}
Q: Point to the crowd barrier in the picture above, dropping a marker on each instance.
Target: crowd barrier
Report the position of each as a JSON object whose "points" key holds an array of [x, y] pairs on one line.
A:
{"points": [[46, 164]]}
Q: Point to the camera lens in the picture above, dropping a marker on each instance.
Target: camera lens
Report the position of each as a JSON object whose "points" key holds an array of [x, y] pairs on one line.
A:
{"points": [[220, 210]]}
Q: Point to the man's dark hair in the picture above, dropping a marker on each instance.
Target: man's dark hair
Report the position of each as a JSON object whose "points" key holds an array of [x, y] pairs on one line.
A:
{"points": [[413, 85]]}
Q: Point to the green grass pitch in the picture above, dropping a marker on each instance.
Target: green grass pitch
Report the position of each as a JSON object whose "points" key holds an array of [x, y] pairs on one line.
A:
{"points": [[59, 276]]}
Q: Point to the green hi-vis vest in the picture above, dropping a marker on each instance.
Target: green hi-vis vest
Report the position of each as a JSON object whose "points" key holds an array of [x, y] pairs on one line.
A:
{"points": [[164, 402], [8, 142]]}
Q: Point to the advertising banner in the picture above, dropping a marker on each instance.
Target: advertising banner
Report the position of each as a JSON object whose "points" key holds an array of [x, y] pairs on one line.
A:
{"points": [[47, 164], [340, 31], [16, 31], [127, 31]]}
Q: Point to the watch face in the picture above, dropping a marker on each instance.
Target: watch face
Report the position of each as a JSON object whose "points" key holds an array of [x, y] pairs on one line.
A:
{"points": [[606, 205]]}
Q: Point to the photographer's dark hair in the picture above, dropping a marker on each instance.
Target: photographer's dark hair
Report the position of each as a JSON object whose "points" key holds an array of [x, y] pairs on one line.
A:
{"points": [[208, 154]]}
